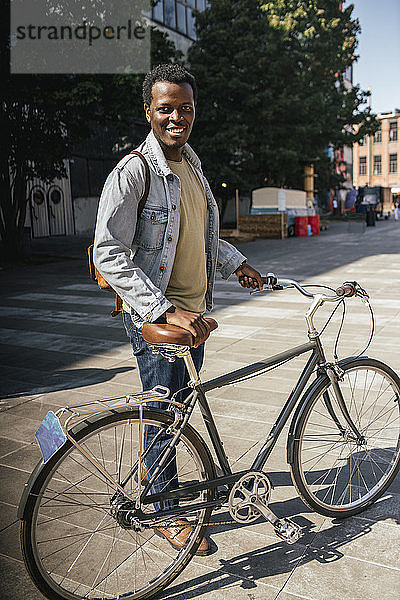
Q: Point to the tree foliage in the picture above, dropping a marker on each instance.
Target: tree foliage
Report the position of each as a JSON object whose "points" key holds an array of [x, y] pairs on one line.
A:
{"points": [[272, 92], [46, 116], [43, 115]]}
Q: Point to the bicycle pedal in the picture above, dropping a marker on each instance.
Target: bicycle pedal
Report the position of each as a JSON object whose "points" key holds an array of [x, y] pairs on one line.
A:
{"points": [[288, 530]]}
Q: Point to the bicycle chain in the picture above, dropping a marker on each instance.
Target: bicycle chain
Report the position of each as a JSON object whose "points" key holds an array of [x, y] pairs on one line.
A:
{"points": [[169, 523]]}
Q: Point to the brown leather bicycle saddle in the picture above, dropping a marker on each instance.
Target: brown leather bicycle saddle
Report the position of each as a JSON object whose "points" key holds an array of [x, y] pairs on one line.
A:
{"points": [[155, 333]]}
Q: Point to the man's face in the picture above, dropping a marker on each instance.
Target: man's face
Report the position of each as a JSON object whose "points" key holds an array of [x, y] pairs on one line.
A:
{"points": [[171, 115]]}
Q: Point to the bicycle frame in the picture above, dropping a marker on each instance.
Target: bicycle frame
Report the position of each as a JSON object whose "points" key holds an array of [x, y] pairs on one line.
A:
{"points": [[199, 396], [317, 359], [184, 410]]}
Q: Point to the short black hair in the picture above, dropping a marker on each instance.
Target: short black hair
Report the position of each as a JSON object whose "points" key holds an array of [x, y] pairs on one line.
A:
{"points": [[170, 73]]}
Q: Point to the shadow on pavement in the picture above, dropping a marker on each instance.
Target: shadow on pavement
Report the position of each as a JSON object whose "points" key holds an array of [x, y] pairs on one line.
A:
{"points": [[298, 258], [244, 570], [56, 381]]}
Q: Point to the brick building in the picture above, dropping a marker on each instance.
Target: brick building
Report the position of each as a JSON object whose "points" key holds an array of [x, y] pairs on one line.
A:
{"points": [[376, 157]]}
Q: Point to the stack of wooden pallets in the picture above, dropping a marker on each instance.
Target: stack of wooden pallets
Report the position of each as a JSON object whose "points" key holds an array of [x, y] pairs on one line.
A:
{"points": [[268, 225]]}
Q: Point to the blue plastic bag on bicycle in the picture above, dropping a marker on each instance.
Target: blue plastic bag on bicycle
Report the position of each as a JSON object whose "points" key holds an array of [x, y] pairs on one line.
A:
{"points": [[50, 436]]}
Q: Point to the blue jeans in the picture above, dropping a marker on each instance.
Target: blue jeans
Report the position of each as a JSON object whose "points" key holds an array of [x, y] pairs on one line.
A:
{"points": [[156, 370]]}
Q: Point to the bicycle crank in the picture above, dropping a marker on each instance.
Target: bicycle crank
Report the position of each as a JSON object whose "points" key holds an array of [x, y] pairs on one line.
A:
{"points": [[249, 500]]}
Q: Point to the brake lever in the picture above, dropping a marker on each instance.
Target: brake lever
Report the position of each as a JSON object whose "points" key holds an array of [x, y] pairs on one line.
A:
{"points": [[362, 294], [271, 288]]}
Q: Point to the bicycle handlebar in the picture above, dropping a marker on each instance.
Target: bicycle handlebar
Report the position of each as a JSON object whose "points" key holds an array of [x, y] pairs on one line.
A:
{"points": [[348, 289]]}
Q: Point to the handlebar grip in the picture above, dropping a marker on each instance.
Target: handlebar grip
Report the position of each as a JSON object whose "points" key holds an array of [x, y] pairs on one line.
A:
{"points": [[347, 289]]}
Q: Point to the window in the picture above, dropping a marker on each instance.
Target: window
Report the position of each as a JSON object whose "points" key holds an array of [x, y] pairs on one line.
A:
{"points": [[181, 17], [169, 13], [362, 141], [348, 74], [158, 11], [393, 163], [393, 131], [378, 136], [178, 14], [363, 165], [191, 31], [377, 164]]}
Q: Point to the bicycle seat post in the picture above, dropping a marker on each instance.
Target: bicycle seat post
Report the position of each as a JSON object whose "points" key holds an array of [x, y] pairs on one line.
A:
{"points": [[191, 369]]}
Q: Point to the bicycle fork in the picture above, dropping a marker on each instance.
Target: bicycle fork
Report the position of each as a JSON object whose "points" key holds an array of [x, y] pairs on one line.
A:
{"points": [[351, 431]]}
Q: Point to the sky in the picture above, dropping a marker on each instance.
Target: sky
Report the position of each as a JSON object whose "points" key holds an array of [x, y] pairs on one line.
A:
{"points": [[378, 66]]}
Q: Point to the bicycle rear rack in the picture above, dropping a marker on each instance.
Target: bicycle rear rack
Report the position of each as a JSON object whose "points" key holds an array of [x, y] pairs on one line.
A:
{"points": [[52, 433]]}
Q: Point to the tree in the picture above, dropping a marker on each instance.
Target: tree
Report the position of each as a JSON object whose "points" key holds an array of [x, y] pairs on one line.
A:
{"points": [[322, 39], [43, 115], [271, 92], [46, 116]]}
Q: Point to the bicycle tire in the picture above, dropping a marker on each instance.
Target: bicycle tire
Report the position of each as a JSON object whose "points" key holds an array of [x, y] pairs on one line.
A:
{"points": [[74, 547], [333, 473]]}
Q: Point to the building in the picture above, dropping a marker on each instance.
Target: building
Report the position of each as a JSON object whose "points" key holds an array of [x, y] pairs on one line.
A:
{"points": [[69, 205], [376, 157], [176, 17]]}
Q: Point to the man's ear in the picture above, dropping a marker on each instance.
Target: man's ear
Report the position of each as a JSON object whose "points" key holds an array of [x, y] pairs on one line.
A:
{"points": [[147, 111]]}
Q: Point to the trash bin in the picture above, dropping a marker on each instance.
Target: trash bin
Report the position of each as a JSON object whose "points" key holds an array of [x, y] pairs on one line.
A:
{"points": [[301, 226], [370, 216], [314, 222]]}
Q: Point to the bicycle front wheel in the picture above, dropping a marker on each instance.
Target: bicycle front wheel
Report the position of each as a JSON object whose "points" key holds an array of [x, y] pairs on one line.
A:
{"points": [[76, 541], [335, 473]]}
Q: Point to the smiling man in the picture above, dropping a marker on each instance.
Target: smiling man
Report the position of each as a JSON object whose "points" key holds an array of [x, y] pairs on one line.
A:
{"points": [[163, 263]]}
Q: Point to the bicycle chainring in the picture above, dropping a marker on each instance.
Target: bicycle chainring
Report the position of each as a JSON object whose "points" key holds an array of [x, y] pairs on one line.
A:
{"points": [[251, 489]]}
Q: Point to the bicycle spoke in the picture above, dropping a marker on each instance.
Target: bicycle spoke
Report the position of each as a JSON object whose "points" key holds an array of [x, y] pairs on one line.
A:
{"points": [[83, 540], [344, 473]]}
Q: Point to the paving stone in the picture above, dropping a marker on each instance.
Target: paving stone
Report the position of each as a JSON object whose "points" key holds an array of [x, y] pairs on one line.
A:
{"points": [[18, 429], [285, 596], [386, 508], [254, 558], [9, 533], [24, 459], [375, 542], [15, 582], [338, 577], [7, 446], [216, 584], [12, 482], [83, 354]]}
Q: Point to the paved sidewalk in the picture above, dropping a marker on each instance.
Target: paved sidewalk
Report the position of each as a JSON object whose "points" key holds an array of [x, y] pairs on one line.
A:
{"points": [[59, 345]]}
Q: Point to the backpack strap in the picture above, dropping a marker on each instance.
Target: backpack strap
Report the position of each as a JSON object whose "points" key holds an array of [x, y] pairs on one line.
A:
{"points": [[143, 199], [94, 274], [141, 205]]}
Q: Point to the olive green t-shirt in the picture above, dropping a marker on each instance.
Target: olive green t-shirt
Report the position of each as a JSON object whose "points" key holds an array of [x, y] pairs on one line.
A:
{"points": [[188, 282]]}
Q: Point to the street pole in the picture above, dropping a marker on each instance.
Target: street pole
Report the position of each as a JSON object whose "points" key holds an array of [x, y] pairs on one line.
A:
{"points": [[237, 211], [309, 181], [369, 146]]}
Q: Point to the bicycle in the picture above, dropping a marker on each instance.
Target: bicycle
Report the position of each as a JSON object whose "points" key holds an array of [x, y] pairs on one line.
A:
{"points": [[88, 522]]}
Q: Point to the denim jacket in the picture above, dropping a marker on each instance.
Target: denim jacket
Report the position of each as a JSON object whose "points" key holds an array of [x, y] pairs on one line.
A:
{"points": [[136, 259]]}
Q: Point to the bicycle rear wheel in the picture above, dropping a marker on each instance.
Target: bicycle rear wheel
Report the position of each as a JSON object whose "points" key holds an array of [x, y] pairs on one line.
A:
{"points": [[334, 473], [73, 542]]}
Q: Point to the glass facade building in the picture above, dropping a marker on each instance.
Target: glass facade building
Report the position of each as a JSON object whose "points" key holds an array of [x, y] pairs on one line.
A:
{"points": [[178, 15]]}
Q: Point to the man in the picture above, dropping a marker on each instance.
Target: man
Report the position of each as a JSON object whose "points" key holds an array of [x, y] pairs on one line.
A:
{"points": [[164, 265]]}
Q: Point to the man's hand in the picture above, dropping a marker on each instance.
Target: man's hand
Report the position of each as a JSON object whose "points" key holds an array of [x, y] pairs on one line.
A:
{"points": [[249, 277], [190, 321]]}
